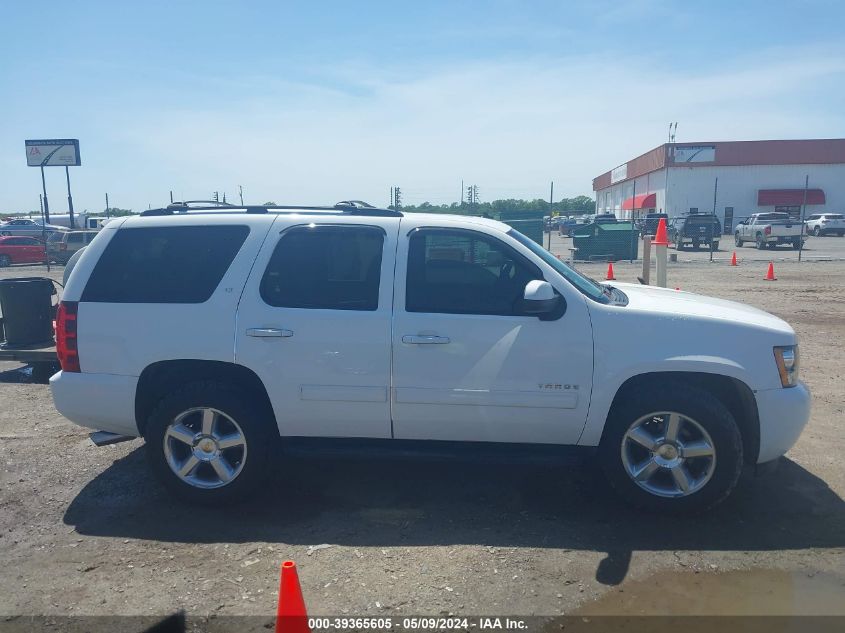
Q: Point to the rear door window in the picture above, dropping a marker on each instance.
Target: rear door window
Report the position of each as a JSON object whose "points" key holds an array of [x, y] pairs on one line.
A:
{"points": [[328, 267], [179, 264]]}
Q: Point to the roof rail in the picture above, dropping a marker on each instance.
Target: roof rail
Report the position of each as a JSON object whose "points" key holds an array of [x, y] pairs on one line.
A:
{"points": [[350, 207]]}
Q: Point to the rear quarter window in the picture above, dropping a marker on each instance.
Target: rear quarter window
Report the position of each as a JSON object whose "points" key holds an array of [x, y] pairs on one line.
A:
{"points": [[180, 264]]}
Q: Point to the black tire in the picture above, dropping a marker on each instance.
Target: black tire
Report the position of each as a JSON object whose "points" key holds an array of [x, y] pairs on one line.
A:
{"points": [[761, 243], [738, 240], [700, 405], [255, 421], [817, 232], [679, 245], [715, 246], [796, 244], [5, 261]]}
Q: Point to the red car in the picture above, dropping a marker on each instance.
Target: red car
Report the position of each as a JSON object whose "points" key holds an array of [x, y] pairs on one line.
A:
{"points": [[21, 250]]}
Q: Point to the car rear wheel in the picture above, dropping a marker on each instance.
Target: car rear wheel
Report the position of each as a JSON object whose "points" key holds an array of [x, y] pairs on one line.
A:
{"points": [[761, 243], [209, 444], [673, 448], [5, 261], [817, 231]]}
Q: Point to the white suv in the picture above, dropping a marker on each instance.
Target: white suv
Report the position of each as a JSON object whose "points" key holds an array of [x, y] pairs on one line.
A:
{"points": [[826, 224], [219, 335]]}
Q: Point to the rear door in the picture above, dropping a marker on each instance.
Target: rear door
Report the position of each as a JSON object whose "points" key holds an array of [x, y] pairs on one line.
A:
{"points": [[314, 323]]}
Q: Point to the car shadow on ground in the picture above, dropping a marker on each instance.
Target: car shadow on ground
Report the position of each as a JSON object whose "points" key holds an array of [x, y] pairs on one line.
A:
{"points": [[409, 503]]}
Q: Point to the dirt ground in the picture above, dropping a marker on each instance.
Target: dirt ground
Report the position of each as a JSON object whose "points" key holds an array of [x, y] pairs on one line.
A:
{"points": [[84, 530]]}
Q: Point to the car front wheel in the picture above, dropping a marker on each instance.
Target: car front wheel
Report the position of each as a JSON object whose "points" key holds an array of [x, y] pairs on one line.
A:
{"points": [[209, 444], [737, 239], [673, 448]]}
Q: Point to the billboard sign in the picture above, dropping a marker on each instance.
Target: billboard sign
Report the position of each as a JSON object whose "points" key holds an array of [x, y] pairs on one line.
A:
{"points": [[619, 173], [694, 153], [57, 152]]}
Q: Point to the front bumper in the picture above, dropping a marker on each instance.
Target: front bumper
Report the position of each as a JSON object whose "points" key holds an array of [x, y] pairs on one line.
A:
{"points": [[104, 402], [783, 413]]}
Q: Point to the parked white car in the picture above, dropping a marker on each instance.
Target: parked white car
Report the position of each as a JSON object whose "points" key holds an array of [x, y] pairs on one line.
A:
{"points": [[217, 336], [826, 224]]}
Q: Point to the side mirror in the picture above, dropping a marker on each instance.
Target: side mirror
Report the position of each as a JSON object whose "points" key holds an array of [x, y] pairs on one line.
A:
{"points": [[541, 300]]}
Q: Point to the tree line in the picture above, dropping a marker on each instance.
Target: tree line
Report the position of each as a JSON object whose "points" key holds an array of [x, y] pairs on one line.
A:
{"points": [[566, 206]]}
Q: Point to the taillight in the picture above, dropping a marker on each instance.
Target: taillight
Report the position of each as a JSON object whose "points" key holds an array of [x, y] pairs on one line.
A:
{"points": [[767, 230], [66, 340]]}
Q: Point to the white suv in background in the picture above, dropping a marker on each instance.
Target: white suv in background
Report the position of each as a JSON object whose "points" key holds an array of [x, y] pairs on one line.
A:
{"points": [[218, 335], [826, 224]]}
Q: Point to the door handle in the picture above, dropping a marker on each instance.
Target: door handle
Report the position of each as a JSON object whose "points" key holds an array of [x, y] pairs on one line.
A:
{"points": [[268, 332], [425, 339]]}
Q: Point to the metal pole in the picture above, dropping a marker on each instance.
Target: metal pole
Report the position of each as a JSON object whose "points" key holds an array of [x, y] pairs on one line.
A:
{"points": [[803, 213], [241, 194], [713, 231], [633, 206], [551, 201], [107, 206], [69, 198], [46, 203], [44, 232], [171, 196]]}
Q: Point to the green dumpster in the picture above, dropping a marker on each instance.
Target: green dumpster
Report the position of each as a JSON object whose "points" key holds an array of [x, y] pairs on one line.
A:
{"points": [[606, 242], [529, 224]]}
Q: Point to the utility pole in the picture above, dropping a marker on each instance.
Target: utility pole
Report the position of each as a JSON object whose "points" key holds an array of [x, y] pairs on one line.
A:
{"points": [[390, 206], [670, 160], [551, 202], [462, 192], [241, 194], [107, 206], [171, 196]]}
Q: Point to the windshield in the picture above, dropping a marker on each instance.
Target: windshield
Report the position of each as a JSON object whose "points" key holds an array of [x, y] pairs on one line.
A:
{"points": [[584, 284]]}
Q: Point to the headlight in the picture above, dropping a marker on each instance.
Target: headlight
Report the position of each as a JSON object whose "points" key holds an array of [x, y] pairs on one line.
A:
{"points": [[786, 358]]}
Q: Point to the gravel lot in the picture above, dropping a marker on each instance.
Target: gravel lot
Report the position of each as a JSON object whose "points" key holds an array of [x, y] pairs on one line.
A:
{"points": [[84, 530]]}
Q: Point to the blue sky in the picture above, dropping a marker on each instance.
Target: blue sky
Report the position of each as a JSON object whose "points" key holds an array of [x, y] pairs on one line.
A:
{"points": [[313, 102]]}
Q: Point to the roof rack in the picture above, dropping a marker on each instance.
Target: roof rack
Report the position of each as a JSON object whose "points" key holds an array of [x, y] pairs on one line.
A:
{"points": [[350, 207]]}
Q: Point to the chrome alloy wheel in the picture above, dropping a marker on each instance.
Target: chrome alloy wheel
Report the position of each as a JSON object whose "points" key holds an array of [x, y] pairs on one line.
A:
{"points": [[668, 454], [205, 448]]}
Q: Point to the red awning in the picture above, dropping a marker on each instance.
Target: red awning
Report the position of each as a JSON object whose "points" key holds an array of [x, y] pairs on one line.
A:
{"points": [[642, 201], [788, 197]]}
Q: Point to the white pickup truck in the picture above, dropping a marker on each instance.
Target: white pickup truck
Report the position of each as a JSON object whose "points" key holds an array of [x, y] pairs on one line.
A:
{"points": [[768, 230], [221, 335]]}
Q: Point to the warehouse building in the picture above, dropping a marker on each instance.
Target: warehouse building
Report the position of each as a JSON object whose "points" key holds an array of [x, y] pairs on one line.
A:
{"points": [[741, 177]]}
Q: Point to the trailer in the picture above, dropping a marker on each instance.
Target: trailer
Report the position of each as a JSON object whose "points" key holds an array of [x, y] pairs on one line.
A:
{"points": [[43, 359]]}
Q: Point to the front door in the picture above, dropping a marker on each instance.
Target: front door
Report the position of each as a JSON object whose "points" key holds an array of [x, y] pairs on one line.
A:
{"points": [[314, 324], [468, 366]]}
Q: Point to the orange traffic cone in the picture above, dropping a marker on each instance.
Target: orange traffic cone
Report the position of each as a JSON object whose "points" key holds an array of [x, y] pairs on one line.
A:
{"points": [[770, 275], [291, 616], [733, 259], [661, 237], [610, 276]]}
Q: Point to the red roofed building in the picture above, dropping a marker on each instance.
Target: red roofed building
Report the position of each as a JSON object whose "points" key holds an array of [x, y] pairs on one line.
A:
{"points": [[753, 176]]}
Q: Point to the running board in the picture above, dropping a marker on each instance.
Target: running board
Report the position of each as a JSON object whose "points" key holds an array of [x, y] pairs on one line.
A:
{"points": [[104, 438]]}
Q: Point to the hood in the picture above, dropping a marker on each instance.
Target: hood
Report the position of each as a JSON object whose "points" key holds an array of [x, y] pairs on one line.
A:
{"points": [[689, 305]]}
